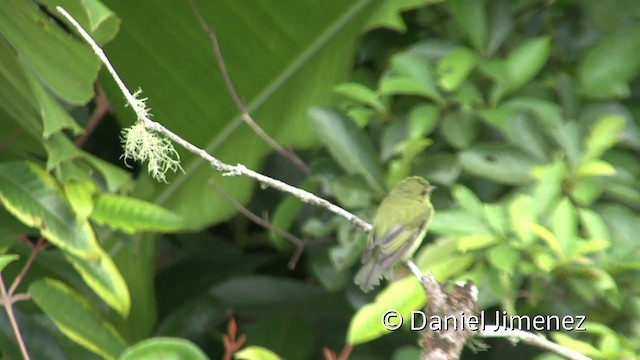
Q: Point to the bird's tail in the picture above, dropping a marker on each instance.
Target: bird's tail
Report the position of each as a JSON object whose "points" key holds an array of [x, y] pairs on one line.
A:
{"points": [[369, 275]]}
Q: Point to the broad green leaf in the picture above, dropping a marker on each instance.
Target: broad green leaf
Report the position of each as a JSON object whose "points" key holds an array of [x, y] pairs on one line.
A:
{"points": [[500, 163], [294, 43], [459, 128], [349, 248], [163, 348], [6, 259], [472, 19], [443, 168], [548, 186], [523, 64], [607, 67], [54, 117], [410, 74], [524, 131], [549, 238], [64, 64], [403, 296], [603, 135], [595, 168], [326, 273], [580, 346], [351, 192], [504, 258], [594, 225], [564, 223], [104, 278], [500, 24], [360, 93], [467, 200], [422, 120], [94, 17], [454, 68], [476, 242], [388, 15], [76, 318], [133, 215], [455, 222], [522, 213], [80, 197], [255, 353], [495, 215], [34, 197], [348, 145]]}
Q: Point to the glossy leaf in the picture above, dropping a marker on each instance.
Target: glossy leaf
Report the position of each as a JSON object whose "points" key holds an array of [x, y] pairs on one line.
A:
{"points": [[472, 19], [389, 16], [348, 146], [133, 215], [454, 68], [33, 196], [502, 164], [163, 348], [76, 318], [360, 93], [411, 74], [256, 353], [603, 135], [7, 259]]}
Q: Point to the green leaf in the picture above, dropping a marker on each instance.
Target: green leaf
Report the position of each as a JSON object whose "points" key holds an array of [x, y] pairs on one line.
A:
{"points": [[476, 242], [454, 68], [595, 168], [326, 273], [442, 168], [581, 347], [64, 64], [94, 17], [471, 18], [504, 258], [255, 353], [467, 200], [594, 225], [606, 69], [76, 318], [290, 337], [411, 74], [360, 93], [548, 186], [603, 135], [500, 163], [80, 197], [133, 215], [459, 128], [522, 213], [564, 223], [523, 64], [34, 197], [423, 119], [500, 24], [54, 117], [388, 14], [104, 278], [348, 146], [163, 348], [403, 296], [455, 222], [6, 259]]}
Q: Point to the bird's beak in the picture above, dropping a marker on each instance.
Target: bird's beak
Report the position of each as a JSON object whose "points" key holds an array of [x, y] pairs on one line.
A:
{"points": [[432, 188]]}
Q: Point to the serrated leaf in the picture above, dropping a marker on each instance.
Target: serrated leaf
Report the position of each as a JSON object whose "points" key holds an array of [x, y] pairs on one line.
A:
{"points": [[133, 215], [349, 147], [76, 318], [33, 196], [163, 348]]}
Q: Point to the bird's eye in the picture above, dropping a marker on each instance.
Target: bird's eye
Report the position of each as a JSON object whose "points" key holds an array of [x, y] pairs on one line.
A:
{"points": [[424, 192]]}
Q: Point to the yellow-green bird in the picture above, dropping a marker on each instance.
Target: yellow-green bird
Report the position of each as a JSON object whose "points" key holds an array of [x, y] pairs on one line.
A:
{"points": [[399, 225]]}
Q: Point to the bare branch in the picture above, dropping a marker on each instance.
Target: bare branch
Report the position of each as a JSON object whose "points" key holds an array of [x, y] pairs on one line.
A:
{"points": [[8, 307], [102, 106], [287, 154]]}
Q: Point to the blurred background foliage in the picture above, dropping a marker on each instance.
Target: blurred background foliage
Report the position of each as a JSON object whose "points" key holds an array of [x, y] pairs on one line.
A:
{"points": [[523, 113]]}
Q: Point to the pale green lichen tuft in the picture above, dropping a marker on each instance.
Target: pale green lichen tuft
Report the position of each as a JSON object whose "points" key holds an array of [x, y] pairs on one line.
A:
{"points": [[143, 145]]}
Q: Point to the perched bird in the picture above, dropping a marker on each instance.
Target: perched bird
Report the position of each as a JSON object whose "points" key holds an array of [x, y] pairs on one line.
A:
{"points": [[399, 225]]}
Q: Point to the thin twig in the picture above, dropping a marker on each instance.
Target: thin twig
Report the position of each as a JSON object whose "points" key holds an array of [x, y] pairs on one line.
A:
{"points": [[8, 307], [494, 331], [16, 297], [35, 249], [299, 243], [287, 154], [102, 107]]}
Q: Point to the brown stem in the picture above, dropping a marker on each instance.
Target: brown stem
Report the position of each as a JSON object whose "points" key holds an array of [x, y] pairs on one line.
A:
{"points": [[287, 154], [102, 106], [8, 306], [34, 252]]}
